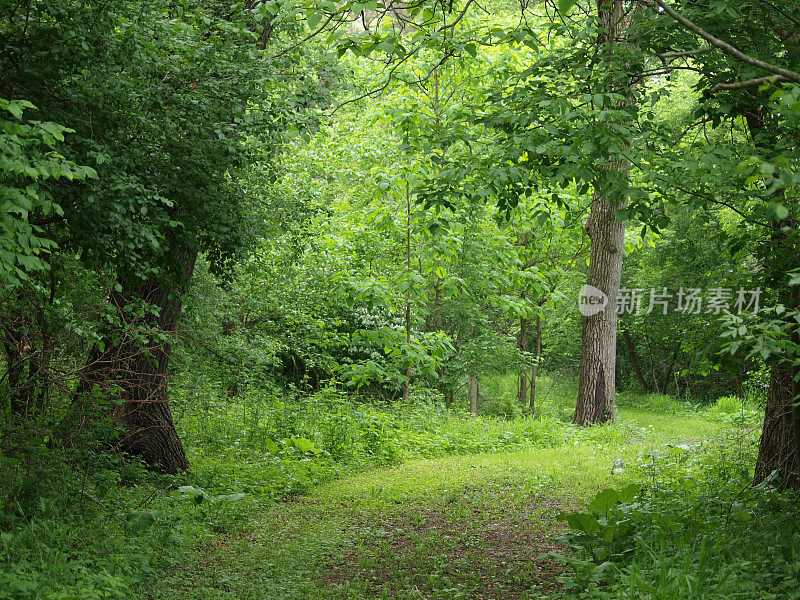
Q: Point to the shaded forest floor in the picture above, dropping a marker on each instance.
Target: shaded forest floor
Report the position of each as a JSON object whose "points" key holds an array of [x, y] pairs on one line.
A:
{"points": [[458, 527]]}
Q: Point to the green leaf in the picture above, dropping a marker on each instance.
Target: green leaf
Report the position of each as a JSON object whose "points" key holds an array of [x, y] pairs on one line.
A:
{"points": [[779, 211], [629, 492], [234, 497], [585, 522], [604, 501], [196, 494], [314, 19], [565, 5], [139, 520], [304, 445]]}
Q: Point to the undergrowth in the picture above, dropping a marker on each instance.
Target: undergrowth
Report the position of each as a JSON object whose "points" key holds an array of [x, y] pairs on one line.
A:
{"points": [[692, 527]]}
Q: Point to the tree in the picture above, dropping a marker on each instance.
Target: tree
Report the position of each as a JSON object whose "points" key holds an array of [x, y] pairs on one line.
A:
{"points": [[597, 379], [549, 241], [151, 90], [28, 162], [740, 56]]}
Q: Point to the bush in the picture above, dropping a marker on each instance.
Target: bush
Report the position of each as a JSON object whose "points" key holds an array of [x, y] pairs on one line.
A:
{"points": [[696, 529], [737, 411]]}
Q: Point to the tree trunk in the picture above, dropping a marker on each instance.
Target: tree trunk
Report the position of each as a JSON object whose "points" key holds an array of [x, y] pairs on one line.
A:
{"points": [[473, 394], [651, 361], [438, 324], [19, 342], [522, 344], [134, 371], [15, 350], [777, 450], [597, 379], [637, 368], [535, 370], [407, 383], [779, 447], [669, 371]]}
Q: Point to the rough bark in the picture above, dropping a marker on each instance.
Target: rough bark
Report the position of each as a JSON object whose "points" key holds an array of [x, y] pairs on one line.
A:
{"points": [[597, 379], [777, 448], [596, 388], [134, 371]]}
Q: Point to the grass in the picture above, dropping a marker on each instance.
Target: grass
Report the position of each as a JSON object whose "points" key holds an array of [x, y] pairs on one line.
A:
{"points": [[327, 497], [458, 526]]}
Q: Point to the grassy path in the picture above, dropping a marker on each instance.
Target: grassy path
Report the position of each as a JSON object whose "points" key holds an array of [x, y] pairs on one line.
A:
{"points": [[451, 528]]}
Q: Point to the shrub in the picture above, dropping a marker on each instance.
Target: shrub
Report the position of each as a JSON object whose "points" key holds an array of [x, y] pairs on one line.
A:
{"points": [[698, 529]]}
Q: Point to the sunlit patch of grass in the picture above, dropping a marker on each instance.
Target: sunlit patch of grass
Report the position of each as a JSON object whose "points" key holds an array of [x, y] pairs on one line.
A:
{"points": [[662, 429]]}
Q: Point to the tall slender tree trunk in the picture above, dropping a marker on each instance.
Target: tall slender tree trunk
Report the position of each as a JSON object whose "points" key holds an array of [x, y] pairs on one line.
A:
{"points": [[135, 372], [473, 394], [436, 322], [538, 358], [597, 383], [637, 367], [522, 344], [668, 372], [407, 383]]}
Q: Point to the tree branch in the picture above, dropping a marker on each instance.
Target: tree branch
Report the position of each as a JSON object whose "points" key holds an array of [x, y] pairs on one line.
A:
{"points": [[308, 37], [387, 81], [695, 52], [458, 18], [726, 47], [738, 85]]}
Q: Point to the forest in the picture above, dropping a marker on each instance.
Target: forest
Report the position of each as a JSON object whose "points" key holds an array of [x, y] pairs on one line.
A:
{"points": [[400, 299]]}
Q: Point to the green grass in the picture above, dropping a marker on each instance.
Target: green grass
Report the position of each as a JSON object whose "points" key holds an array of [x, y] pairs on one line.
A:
{"points": [[326, 497], [468, 525]]}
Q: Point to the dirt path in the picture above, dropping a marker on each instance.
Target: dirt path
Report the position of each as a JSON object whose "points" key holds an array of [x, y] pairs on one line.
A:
{"points": [[480, 543]]}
